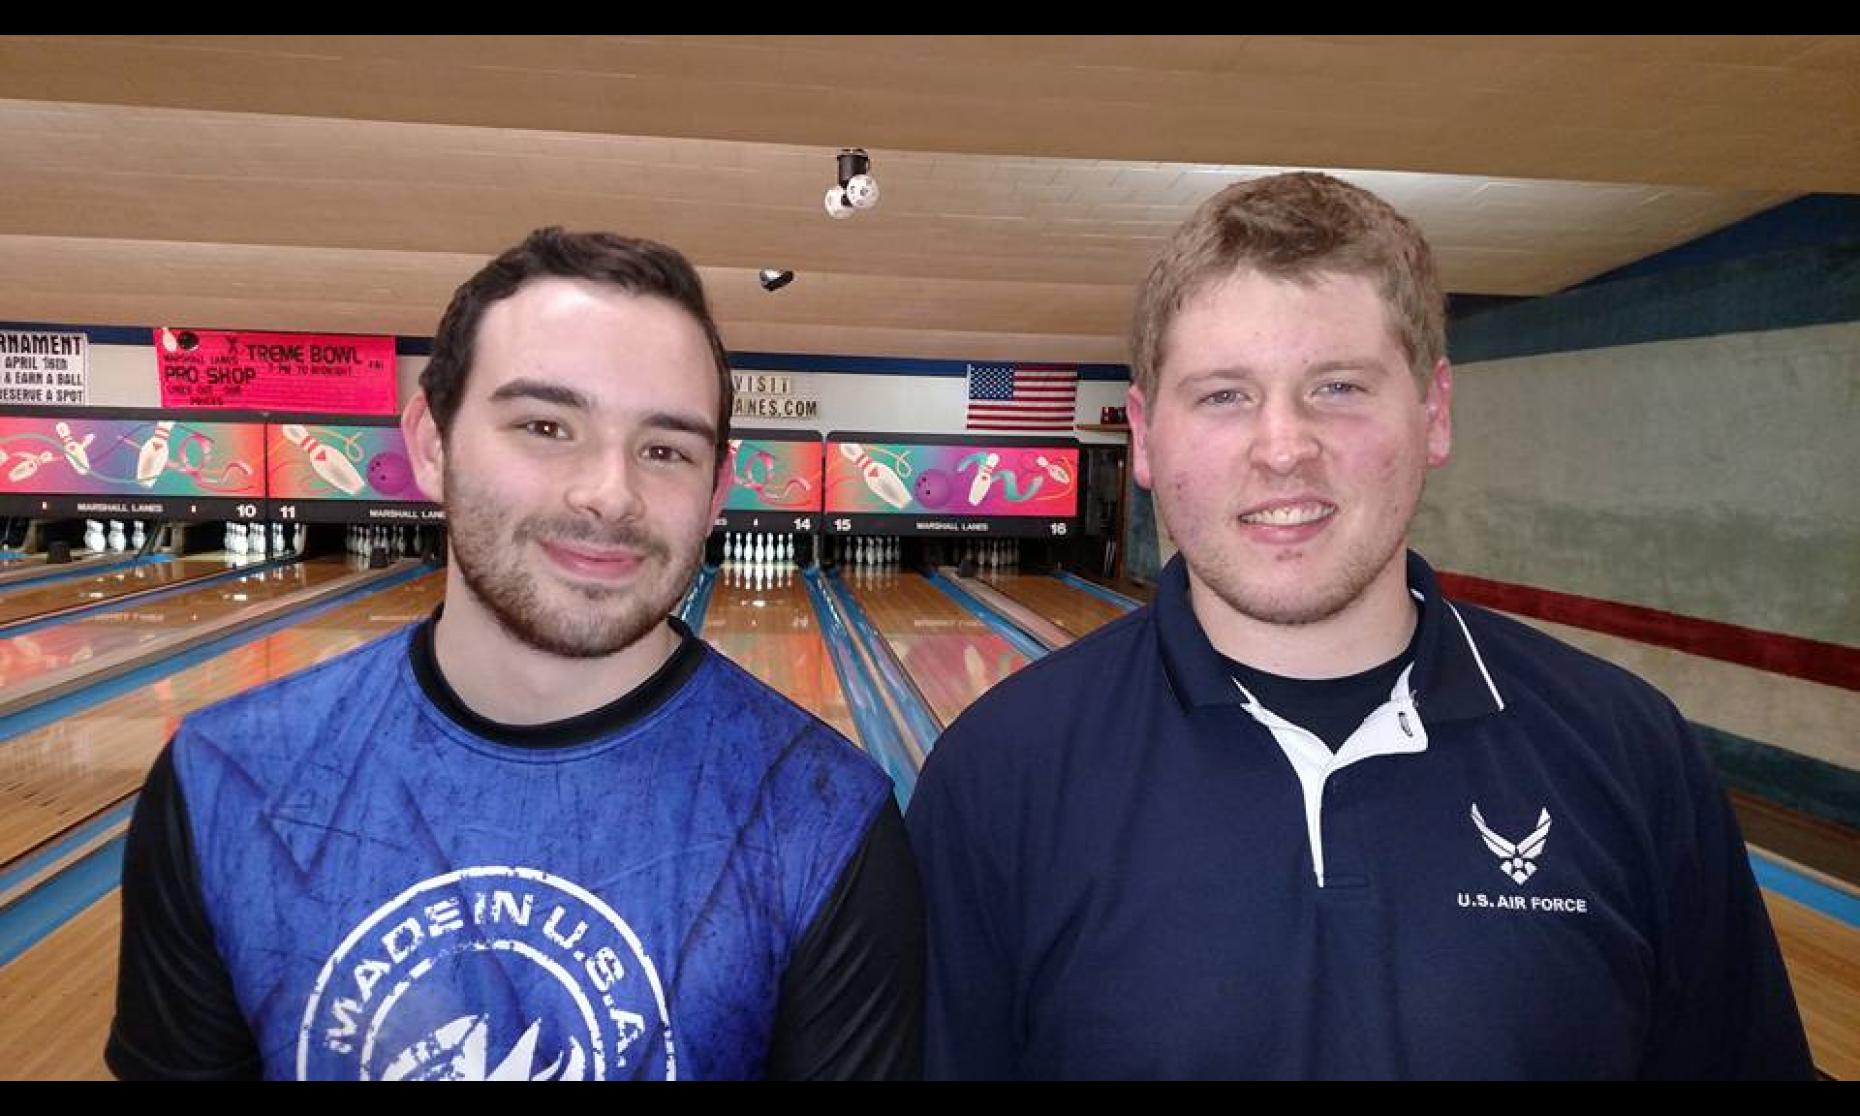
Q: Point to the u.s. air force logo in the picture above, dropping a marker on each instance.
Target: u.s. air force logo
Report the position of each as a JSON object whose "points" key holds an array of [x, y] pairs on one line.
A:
{"points": [[1516, 859], [488, 973]]}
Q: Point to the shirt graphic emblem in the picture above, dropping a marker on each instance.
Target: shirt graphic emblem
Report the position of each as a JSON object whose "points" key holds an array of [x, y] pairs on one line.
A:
{"points": [[1515, 860]]}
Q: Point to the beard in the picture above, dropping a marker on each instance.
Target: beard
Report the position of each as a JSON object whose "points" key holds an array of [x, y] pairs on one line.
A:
{"points": [[1329, 590], [556, 616], [1305, 604]]}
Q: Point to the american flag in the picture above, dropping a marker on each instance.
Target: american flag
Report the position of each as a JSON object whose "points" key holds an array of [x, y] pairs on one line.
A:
{"points": [[1022, 397]]}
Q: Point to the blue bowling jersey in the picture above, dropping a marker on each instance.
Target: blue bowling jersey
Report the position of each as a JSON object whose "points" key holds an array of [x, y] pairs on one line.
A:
{"points": [[397, 891]]}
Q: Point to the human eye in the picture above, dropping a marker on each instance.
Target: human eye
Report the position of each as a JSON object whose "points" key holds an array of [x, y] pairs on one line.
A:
{"points": [[1339, 389], [548, 429], [667, 454], [1225, 397]]}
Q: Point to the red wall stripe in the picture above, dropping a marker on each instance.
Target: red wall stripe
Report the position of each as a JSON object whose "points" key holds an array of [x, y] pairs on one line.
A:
{"points": [[1829, 663]]}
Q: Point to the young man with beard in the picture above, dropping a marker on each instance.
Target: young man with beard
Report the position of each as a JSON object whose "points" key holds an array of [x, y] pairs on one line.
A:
{"points": [[1303, 816], [546, 834]]}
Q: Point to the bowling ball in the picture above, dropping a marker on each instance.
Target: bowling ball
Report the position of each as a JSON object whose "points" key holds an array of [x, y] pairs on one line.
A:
{"points": [[390, 474], [932, 487]]}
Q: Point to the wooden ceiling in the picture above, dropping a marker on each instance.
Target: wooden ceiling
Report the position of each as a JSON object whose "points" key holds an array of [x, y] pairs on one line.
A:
{"points": [[348, 183]]}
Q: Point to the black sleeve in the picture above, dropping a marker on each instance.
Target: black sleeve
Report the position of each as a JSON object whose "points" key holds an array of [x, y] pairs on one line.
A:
{"points": [[852, 997], [176, 1017]]}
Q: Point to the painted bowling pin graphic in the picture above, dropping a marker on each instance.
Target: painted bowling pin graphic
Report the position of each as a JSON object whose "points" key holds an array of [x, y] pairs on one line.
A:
{"points": [[154, 456], [329, 464], [1054, 470], [984, 476], [27, 464], [879, 476], [74, 449]]}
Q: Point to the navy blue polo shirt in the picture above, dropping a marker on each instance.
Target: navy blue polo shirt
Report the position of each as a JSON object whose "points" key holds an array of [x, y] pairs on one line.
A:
{"points": [[1519, 866]]}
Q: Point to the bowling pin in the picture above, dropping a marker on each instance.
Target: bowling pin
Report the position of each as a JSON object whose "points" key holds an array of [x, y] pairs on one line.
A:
{"points": [[93, 535], [879, 477], [299, 538], [154, 456], [1054, 470], [332, 466], [28, 464], [984, 477], [137, 536], [74, 449], [117, 540]]}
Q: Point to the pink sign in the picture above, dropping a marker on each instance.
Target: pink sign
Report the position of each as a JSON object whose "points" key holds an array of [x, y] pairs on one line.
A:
{"points": [[344, 374]]}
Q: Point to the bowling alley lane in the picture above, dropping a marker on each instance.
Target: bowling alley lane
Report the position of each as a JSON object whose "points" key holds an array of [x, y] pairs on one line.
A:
{"points": [[774, 634], [951, 654], [36, 656], [29, 568], [56, 999], [57, 776], [30, 600], [1074, 610]]}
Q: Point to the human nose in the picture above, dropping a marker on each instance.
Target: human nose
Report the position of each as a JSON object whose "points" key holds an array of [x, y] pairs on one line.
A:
{"points": [[1283, 437], [606, 486]]}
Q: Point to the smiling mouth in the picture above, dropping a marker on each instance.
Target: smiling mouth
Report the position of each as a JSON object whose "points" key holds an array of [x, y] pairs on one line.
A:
{"points": [[599, 563], [1289, 515]]}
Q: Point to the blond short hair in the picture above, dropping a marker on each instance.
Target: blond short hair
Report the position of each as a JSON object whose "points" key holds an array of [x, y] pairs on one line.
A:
{"points": [[1297, 227]]}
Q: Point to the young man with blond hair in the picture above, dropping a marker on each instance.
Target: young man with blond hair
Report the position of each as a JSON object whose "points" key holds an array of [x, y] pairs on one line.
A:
{"points": [[1303, 816]]}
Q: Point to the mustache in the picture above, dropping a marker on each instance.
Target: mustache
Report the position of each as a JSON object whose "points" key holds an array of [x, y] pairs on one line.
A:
{"points": [[628, 535]]}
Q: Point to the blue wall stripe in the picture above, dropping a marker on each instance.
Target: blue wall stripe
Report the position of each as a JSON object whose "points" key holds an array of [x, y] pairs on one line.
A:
{"points": [[1802, 783], [1781, 290], [1808, 221]]}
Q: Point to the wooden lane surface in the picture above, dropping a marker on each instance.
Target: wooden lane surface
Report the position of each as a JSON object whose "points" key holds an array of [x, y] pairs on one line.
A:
{"points": [[33, 600], [56, 999], [32, 656], [780, 642], [58, 776], [33, 566], [1823, 958], [952, 656], [1073, 610], [1140, 593]]}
